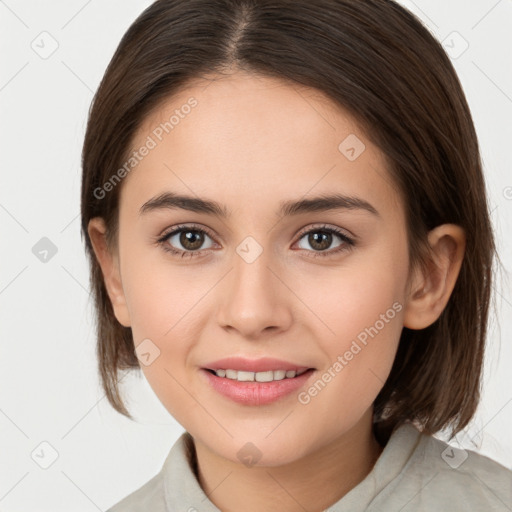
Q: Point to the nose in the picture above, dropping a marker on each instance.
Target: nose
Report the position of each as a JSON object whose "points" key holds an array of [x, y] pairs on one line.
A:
{"points": [[254, 300]]}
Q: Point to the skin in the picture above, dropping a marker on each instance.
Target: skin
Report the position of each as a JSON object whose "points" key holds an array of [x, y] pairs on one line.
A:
{"points": [[250, 143]]}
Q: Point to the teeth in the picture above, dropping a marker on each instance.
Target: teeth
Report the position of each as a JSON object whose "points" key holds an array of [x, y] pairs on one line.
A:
{"points": [[269, 376], [279, 375], [243, 376]]}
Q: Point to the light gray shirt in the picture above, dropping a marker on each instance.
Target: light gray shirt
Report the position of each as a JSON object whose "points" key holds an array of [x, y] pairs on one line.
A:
{"points": [[414, 473]]}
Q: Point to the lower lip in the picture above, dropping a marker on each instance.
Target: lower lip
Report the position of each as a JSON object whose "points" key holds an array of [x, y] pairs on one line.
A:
{"points": [[256, 393]]}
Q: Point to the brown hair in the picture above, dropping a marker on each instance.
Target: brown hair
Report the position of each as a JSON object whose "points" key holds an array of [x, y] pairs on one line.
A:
{"points": [[378, 61]]}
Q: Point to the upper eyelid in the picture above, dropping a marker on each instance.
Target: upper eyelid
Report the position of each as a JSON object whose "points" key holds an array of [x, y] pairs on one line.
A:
{"points": [[326, 226], [192, 227]]}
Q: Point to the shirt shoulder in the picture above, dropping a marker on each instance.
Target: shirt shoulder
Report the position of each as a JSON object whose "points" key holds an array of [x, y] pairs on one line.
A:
{"points": [[469, 473], [440, 477]]}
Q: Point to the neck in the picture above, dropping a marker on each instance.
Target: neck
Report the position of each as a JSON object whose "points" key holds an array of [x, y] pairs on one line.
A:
{"points": [[312, 483]]}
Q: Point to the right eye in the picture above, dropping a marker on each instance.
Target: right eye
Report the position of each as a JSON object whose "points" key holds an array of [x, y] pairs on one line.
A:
{"points": [[191, 238]]}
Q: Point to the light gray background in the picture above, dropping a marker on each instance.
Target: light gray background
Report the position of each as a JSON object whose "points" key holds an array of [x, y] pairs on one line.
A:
{"points": [[49, 390]]}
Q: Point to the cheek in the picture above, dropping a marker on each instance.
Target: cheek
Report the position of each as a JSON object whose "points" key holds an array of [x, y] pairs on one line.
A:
{"points": [[167, 304], [163, 308], [353, 296], [361, 309], [164, 298]]}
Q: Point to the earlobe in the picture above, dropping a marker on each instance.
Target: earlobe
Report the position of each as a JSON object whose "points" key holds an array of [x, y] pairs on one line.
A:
{"points": [[109, 264], [432, 287]]}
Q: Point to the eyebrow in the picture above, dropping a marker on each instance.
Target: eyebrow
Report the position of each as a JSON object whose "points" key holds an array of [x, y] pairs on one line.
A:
{"points": [[170, 200]]}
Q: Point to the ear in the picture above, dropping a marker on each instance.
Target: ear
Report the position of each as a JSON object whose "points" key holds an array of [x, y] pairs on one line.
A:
{"points": [[430, 289], [109, 263]]}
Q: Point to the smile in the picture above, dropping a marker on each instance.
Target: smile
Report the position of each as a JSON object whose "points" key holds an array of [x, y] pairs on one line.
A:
{"points": [[256, 388]]}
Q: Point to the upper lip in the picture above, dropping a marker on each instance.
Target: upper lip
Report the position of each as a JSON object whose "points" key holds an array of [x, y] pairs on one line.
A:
{"points": [[254, 365]]}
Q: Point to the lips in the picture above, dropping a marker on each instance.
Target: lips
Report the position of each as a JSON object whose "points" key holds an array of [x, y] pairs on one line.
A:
{"points": [[255, 388], [264, 364], [256, 393]]}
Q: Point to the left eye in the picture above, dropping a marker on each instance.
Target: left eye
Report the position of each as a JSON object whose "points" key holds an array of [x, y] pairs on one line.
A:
{"points": [[320, 239]]}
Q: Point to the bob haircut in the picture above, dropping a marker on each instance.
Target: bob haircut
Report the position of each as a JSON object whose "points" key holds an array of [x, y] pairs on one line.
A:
{"points": [[376, 60]]}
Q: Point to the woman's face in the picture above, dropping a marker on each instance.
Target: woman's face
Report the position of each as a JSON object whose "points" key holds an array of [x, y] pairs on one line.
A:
{"points": [[268, 279]]}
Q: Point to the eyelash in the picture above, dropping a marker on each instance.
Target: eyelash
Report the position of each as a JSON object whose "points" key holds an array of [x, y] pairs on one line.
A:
{"points": [[348, 244]]}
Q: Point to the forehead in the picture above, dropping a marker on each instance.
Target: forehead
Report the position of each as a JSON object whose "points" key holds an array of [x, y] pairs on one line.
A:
{"points": [[252, 140]]}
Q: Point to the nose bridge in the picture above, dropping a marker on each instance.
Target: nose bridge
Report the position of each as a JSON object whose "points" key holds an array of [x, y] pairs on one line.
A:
{"points": [[253, 301]]}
